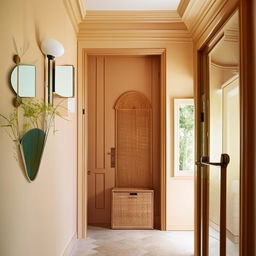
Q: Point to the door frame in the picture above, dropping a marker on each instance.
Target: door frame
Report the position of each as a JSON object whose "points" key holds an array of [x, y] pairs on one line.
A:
{"points": [[247, 124], [82, 95]]}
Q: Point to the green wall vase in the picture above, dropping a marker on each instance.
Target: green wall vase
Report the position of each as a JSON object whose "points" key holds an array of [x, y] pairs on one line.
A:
{"points": [[32, 147]]}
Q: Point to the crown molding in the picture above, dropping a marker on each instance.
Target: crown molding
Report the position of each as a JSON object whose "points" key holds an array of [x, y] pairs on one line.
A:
{"points": [[132, 16], [146, 25], [85, 26], [129, 20], [135, 35], [76, 12], [200, 16], [133, 25], [182, 7], [196, 16], [222, 66]]}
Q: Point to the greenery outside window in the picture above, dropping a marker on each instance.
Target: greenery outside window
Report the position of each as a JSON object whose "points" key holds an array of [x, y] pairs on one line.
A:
{"points": [[184, 126]]}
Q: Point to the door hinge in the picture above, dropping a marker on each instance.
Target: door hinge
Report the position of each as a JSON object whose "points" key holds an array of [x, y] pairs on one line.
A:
{"points": [[202, 117]]}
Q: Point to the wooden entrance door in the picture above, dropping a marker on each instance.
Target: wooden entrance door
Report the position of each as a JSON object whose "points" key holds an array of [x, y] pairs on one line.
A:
{"points": [[108, 78]]}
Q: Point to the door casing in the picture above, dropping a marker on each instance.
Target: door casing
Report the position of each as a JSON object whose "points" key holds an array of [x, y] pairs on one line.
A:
{"points": [[82, 94]]}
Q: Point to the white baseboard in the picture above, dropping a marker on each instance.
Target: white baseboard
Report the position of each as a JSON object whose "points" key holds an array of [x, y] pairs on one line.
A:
{"points": [[180, 227], [70, 246]]}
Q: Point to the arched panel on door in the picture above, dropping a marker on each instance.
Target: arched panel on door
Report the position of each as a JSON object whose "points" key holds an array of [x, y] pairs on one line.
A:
{"points": [[133, 141]]}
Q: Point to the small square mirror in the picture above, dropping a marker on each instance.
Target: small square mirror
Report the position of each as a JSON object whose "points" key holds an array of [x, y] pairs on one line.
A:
{"points": [[64, 81]]}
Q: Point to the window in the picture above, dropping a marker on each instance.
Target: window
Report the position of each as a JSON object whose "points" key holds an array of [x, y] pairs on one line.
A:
{"points": [[184, 137]]}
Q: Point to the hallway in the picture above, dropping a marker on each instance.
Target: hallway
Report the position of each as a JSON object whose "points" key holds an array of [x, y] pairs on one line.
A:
{"points": [[178, 154], [108, 242]]}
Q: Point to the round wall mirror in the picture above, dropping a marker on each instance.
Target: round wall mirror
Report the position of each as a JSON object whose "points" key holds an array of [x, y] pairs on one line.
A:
{"points": [[23, 80]]}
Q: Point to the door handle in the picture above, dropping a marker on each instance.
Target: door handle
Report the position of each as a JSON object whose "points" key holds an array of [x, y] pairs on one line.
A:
{"points": [[224, 161], [112, 154]]}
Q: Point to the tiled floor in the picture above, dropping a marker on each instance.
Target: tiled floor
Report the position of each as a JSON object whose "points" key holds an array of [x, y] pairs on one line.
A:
{"points": [[107, 242]]}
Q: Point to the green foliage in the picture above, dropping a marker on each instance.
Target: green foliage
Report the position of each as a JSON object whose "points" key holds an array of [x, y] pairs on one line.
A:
{"points": [[11, 123], [34, 114], [186, 137]]}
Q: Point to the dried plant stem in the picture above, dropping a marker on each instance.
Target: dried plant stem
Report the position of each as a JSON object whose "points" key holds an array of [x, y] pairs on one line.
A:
{"points": [[35, 115]]}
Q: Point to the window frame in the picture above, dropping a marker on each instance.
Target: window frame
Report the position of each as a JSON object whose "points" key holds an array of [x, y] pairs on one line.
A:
{"points": [[177, 103]]}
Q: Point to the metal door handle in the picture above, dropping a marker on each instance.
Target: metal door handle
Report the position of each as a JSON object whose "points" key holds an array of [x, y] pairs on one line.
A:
{"points": [[224, 161], [112, 157]]}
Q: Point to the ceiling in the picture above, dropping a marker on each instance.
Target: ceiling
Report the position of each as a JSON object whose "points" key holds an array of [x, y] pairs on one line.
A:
{"points": [[130, 5]]}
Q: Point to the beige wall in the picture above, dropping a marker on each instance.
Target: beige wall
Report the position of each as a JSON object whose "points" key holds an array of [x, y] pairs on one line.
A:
{"points": [[39, 218], [180, 191]]}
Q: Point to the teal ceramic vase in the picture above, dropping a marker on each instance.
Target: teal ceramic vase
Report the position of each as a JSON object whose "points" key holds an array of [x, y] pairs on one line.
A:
{"points": [[32, 147]]}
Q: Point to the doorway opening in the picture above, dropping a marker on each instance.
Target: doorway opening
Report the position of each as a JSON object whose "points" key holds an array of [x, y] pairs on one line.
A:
{"points": [[124, 138], [112, 75]]}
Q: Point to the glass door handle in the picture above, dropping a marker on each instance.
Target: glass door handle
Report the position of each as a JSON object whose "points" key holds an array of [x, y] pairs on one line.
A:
{"points": [[224, 161]]}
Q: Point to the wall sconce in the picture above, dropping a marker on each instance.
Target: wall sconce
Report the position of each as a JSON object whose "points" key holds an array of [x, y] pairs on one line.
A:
{"points": [[52, 49]]}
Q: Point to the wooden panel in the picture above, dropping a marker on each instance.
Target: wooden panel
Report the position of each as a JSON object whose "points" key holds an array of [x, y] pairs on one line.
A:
{"points": [[100, 114], [87, 61], [134, 141], [99, 180], [108, 78], [156, 156], [132, 209], [99, 190]]}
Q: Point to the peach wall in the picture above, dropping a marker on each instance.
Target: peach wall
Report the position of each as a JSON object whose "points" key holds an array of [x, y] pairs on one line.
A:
{"points": [[39, 218], [180, 191]]}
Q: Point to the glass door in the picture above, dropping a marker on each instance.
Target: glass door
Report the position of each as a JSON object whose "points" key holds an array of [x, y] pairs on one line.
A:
{"points": [[220, 144]]}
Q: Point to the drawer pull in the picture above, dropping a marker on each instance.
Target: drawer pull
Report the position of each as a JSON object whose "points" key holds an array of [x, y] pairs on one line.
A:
{"points": [[133, 194]]}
